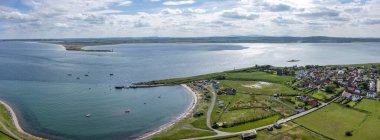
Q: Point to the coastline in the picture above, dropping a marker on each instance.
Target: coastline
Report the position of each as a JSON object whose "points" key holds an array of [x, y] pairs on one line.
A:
{"points": [[16, 123], [181, 117]]}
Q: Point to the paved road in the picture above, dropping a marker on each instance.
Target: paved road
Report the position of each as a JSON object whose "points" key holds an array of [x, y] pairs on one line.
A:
{"points": [[263, 127], [209, 112]]}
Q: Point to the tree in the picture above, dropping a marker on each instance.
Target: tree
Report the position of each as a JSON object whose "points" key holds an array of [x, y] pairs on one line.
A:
{"points": [[330, 88]]}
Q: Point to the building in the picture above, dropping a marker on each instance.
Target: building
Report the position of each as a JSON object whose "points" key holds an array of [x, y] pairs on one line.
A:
{"points": [[371, 95], [355, 97], [221, 104], [346, 94], [227, 91], [249, 136]]}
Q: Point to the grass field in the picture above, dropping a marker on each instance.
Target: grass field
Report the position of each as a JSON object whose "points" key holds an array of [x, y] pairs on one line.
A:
{"points": [[258, 76], [257, 87], [335, 120], [321, 95], [4, 136], [251, 125]]}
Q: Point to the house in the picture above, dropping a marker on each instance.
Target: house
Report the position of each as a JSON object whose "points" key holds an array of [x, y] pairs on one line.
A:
{"points": [[198, 114], [371, 95], [221, 104], [227, 91], [277, 125], [313, 102], [249, 136], [300, 98], [355, 97], [378, 85], [346, 94]]}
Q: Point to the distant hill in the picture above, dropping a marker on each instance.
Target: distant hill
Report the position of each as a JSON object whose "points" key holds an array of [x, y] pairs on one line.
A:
{"points": [[227, 39]]}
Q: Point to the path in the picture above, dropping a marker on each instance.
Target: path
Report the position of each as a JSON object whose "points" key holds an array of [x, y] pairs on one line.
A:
{"points": [[209, 112]]}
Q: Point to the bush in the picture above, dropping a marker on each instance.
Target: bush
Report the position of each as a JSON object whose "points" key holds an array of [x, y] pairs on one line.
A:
{"points": [[348, 133]]}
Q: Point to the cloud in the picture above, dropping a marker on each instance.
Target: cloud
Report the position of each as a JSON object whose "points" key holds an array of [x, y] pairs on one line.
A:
{"points": [[320, 12], [285, 21], [125, 3], [277, 7], [371, 21], [239, 14], [181, 2], [63, 25], [171, 11]]}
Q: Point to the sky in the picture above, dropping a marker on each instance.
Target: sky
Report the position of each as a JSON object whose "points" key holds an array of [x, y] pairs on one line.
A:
{"points": [[187, 18]]}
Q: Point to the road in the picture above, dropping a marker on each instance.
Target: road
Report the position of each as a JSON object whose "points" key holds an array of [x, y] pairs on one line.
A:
{"points": [[222, 134], [209, 112]]}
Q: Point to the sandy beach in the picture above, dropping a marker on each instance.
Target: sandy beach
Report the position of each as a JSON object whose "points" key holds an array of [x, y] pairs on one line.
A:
{"points": [[16, 123], [187, 113]]}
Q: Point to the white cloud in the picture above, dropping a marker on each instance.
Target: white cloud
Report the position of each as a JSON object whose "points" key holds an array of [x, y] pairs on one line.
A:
{"points": [[93, 18], [171, 11], [125, 3], [181, 2]]}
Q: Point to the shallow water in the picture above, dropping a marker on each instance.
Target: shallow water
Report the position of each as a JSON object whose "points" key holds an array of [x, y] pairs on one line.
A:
{"points": [[34, 81]]}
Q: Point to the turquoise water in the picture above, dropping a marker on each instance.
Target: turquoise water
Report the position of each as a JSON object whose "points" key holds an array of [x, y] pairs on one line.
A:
{"points": [[49, 103]]}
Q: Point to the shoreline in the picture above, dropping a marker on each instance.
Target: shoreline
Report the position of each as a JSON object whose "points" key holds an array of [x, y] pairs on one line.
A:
{"points": [[16, 123], [181, 117]]}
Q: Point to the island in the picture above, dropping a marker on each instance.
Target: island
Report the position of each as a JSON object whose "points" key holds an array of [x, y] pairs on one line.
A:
{"points": [[78, 46], [267, 102]]}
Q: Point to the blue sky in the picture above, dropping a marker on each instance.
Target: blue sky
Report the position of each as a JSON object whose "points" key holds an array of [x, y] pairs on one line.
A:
{"points": [[188, 18]]}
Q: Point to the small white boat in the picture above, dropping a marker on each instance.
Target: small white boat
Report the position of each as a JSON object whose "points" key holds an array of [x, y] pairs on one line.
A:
{"points": [[88, 115]]}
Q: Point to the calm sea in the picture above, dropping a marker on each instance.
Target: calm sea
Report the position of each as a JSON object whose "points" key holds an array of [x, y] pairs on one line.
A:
{"points": [[34, 81]]}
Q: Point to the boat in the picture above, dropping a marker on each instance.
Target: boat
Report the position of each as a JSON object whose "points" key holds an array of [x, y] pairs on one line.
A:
{"points": [[78, 78], [127, 111], [111, 74], [69, 74], [159, 96], [119, 87], [88, 115], [86, 75]]}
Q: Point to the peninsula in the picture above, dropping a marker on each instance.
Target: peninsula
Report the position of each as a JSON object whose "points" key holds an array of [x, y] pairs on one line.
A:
{"points": [[269, 102]]}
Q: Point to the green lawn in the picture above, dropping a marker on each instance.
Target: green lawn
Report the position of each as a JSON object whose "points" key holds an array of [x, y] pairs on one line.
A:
{"points": [[258, 87], [258, 76], [321, 95], [181, 133], [335, 120], [251, 125], [3, 136]]}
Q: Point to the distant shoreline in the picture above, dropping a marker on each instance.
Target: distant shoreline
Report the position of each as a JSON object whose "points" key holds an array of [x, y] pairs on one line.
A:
{"points": [[16, 123], [81, 45], [181, 117]]}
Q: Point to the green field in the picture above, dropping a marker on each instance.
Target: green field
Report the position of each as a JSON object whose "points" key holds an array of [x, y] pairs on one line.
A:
{"points": [[321, 95], [251, 125], [335, 120], [4, 136], [258, 76], [258, 87]]}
